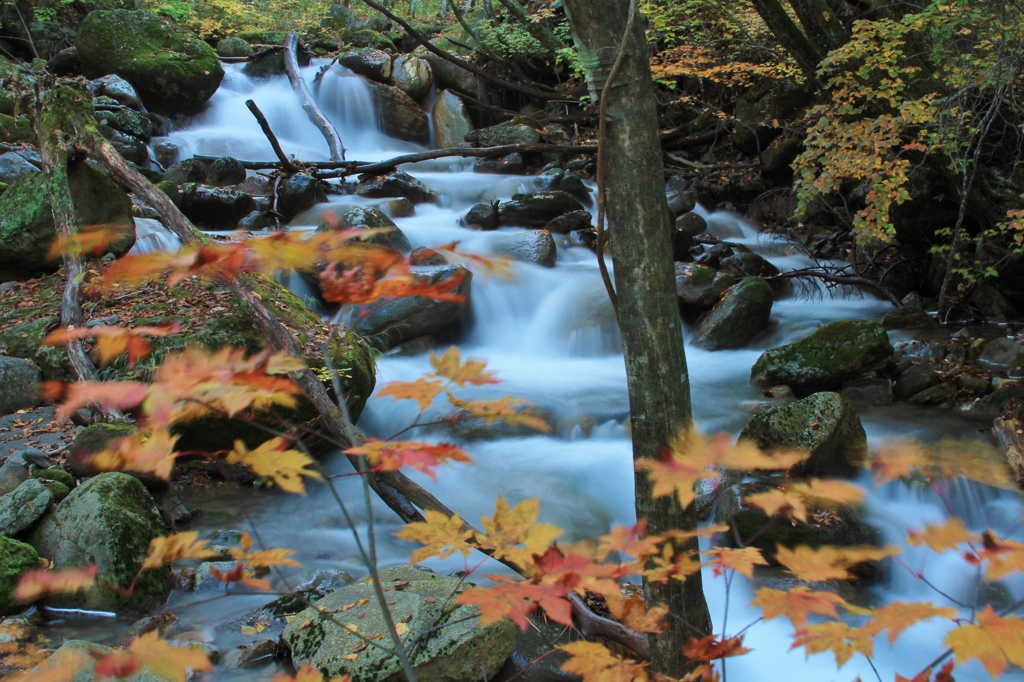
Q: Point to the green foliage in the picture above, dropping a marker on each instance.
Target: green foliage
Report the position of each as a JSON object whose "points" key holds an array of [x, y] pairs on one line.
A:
{"points": [[508, 39], [215, 19]]}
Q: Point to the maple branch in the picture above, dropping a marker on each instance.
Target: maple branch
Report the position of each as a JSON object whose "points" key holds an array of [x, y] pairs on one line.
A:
{"points": [[285, 163], [309, 105]]}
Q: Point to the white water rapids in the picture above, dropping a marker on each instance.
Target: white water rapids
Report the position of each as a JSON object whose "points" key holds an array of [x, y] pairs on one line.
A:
{"points": [[548, 335]]}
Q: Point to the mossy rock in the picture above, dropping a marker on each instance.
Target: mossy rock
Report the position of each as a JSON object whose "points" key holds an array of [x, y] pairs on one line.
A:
{"points": [[234, 47], [78, 655], [822, 361], [742, 314], [272, 64], [58, 490], [16, 558], [27, 229], [91, 441], [55, 474], [172, 70], [455, 651], [365, 37], [109, 521], [127, 121], [16, 129]]}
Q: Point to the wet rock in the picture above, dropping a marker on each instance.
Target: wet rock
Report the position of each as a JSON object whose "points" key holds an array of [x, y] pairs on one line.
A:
{"points": [[936, 395], [271, 64], [23, 507], [205, 581], [682, 243], [16, 559], [835, 353], [535, 246], [823, 424], [507, 165], [972, 383], [570, 222], [166, 153], [299, 193], [868, 391], [537, 209], [397, 208], [126, 121], [455, 653], [533, 659], [368, 62], [214, 207], [258, 185], [412, 75], [13, 167], [399, 320], [109, 521], [692, 223], [908, 318], [451, 120], [371, 218], [425, 256], [91, 441], [1002, 354], [920, 351], [741, 265], [827, 524], [253, 222], [712, 257], [508, 133], [131, 149], [448, 75], [483, 216], [708, 490], [915, 379], [234, 47], [742, 314], [779, 155], [254, 655], [699, 287], [396, 184], [186, 170], [996, 403], [365, 37], [26, 221], [225, 171], [1011, 445], [14, 471], [20, 380], [400, 115], [73, 652], [557, 180], [681, 202], [117, 89], [172, 70], [65, 63]]}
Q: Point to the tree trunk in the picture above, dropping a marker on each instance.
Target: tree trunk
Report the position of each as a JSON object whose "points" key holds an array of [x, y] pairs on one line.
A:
{"points": [[823, 27], [309, 105], [790, 36], [640, 230]]}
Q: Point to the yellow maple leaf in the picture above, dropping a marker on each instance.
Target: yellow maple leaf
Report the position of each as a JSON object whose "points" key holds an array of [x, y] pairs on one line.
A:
{"points": [[996, 642], [740, 560], [272, 460], [140, 452], [423, 391], [450, 366], [595, 663], [509, 528], [508, 409], [898, 616], [796, 603], [440, 536], [266, 558], [828, 563], [166, 661], [939, 538], [164, 550], [835, 636]]}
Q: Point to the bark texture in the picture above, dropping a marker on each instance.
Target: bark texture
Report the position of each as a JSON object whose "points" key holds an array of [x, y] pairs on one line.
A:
{"points": [[786, 31], [639, 223], [309, 105]]}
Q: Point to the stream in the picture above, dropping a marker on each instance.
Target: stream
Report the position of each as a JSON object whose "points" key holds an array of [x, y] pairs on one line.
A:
{"points": [[550, 336]]}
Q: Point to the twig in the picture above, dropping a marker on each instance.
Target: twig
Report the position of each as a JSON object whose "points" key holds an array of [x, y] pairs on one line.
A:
{"points": [[309, 105], [286, 164]]}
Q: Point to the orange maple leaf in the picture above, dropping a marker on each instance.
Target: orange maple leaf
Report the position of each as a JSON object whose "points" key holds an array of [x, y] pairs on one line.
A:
{"points": [[121, 395], [88, 240], [440, 536], [939, 538], [511, 527], [634, 614], [670, 564], [516, 601], [946, 459], [898, 616], [996, 642], [835, 636], [111, 342], [266, 558], [1003, 556], [274, 460], [828, 563], [796, 603], [167, 549], [506, 409], [423, 391], [710, 648], [156, 655], [595, 663], [241, 575], [39, 583], [494, 266], [740, 560], [450, 366], [425, 457], [141, 452]]}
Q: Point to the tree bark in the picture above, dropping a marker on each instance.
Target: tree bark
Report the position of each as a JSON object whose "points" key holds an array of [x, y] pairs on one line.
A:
{"points": [[639, 223], [790, 36], [309, 105], [822, 26]]}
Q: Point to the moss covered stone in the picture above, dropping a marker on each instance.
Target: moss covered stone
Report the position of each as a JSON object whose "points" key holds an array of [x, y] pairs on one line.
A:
{"points": [[742, 314], [54, 474], [171, 69], [73, 653], [109, 521], [456, 652], [16, 129], [16, 558], [26, 222], [826, 358], [90, 442]]}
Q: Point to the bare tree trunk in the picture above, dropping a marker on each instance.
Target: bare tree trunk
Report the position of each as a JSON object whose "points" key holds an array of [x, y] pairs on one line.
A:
{"points": [[785, 30], [640, 227], [309, 105], [823, 27]]}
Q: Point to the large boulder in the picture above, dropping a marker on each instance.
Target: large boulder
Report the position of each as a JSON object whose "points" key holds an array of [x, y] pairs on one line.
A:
{"points": [[215, 207], [23, 507], [823, 424], [126, 121], [451, 120], [20, 380], [187, 170], [535, 246], [371, 218], [14, 167], [699, 287], [226, 171], [234, 48], [558, 180], [299, 193], [1002, 354], [412, 76], [109, 521], [456, 649], [398, 320], [536, 209], [448, 75], [826, 358], [738, 318], [172, 69], [368, 62], [400, 116], [508, 133], [27, 230], [270, 64], [117, 89], [16, 559], [395, 184]]}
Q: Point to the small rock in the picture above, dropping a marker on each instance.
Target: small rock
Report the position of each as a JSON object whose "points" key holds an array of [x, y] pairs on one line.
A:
{"points": [[368, 62], [255, 655], [371, 218], [699, 287], [398, 208], [915, 379], [451, 120], [299, 193], [16, 559], [13, 473], [23, 507], [507, 133], [936, 395], [1002, 354], [116, 88], [742, 314], [536, 209], [225, 171], [186, 170], [483, 216], [974, 384], [13, 166], [400, 115], [535, 246], [396, 184], [692, 222], [570, 222], [681, 202], [557, 180], [507, 165], [908, 318], [868, 392], [20, 381], [233, 47], [412, 75]]}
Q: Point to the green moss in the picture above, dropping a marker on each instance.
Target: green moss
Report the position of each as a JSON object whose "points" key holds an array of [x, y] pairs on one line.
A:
{"points": [[368, 38], [59, 490], [16, 129], [55, 474], [15, 559]]}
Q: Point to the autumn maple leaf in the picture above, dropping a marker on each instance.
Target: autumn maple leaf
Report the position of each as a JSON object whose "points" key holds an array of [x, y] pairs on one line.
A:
{"points": [[440, 536], [796, 603], [167, 549], [120, 395], [508, 409], [634, 614], [423, 391], [111, 342], [595, 663], [273, 459], [511, 527], [39, 583], [711, 648], [450, 366], [148, 651], [393, 455], [948, 535], [140, 452], [517, 600], [1003, 556], [835, 636], [265, 558], [828, 563], [740, 560], [898, 616], [996, 642]]}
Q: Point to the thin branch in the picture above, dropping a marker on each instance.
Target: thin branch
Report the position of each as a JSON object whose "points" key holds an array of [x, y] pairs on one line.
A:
{"points": [[285, 163]]}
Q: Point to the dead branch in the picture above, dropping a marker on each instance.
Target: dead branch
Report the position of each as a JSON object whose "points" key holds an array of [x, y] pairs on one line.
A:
{"points": [[284, 162], [309, 105], [849, 280]]}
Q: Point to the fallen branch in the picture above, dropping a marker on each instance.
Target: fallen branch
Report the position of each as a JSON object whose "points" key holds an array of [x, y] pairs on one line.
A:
{"points": [[284, 162], [461, 63], [309, 105], [849, 280]]}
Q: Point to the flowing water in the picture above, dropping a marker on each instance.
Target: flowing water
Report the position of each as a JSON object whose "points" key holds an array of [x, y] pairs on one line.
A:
{"points": [[549, 334]]}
